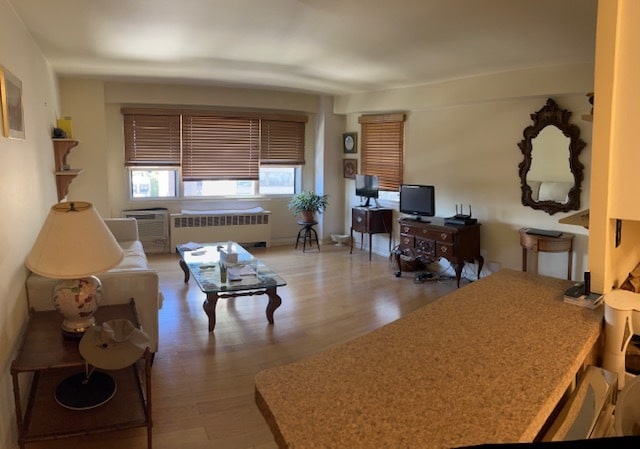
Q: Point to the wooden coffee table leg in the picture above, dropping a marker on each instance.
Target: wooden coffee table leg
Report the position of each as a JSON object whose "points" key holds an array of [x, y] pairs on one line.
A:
{"points": [[209, 307], [185, 268], [274, 303]]}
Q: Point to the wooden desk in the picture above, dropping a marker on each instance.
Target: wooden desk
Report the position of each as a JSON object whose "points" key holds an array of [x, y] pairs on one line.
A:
{"points": [[543, 244], [370, 221], [486, 363]]}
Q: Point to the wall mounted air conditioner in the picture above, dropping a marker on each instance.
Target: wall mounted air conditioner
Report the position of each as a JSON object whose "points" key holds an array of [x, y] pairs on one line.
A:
{"points": [[153, 228]]}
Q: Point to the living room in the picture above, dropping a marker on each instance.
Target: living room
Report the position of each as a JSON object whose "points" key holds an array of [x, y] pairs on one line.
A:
{"points": [[461, 135]]}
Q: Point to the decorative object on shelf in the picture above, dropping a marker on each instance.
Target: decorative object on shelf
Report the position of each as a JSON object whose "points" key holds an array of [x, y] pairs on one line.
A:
{"points": [[307, 203], [74, 244], [11, 104], [58, 133], [350, 142], [349, 168], [64, 123], [551, 180]]}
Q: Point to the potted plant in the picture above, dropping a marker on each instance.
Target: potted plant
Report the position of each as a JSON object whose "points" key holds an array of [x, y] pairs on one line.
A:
{"points": [[307, 203]]}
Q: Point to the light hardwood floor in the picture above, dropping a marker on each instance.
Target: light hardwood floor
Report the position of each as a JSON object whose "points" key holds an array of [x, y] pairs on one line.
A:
{"points": [[203, 383]]}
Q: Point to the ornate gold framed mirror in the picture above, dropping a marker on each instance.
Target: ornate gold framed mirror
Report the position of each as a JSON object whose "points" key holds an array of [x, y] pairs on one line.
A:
{"points": [[551, 173]]}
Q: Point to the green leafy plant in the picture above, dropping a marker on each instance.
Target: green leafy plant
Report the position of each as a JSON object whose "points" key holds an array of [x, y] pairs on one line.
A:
{"points": [[308, 201]]}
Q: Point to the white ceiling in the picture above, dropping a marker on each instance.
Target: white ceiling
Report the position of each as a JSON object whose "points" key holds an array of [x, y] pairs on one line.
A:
{"points": [[323, 46]]}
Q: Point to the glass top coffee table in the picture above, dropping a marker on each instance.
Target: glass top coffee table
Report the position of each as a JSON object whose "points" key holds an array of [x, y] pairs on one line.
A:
{"points": [[246, 277]]}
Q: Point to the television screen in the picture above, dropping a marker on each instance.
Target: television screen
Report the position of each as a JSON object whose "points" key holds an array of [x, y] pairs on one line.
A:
{"points": [[417, 200], [367, 186]]}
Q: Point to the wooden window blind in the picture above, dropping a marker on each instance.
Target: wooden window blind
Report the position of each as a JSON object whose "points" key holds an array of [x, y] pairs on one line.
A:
{"points": [[282, 142], [212, 145], [152, 140], [383, 148], [220, 148]]}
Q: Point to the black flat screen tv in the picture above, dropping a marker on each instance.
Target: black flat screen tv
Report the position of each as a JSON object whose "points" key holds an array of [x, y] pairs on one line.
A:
{"points": [[367, 187], [417, 200]]}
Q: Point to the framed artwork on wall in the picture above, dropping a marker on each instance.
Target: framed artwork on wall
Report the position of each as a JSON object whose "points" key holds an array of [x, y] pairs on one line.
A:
{"points": [[11, 105], [350, 142], [349, 168]]}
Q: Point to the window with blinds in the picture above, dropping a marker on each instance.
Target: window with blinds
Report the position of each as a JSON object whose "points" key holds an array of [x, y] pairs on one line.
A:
{"points": [[220, 148], [152, 140], [382, 148], [282, 142], [207, 147]]}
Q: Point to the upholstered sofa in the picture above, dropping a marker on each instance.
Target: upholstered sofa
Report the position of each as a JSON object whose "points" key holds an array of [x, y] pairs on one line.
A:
{"points": [[132, 278]]}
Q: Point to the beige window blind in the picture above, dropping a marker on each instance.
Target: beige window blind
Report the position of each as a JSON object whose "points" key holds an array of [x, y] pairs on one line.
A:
{"points": [[212, 145], [282, 142], [152, 140], [220, 148], [382, 148]]}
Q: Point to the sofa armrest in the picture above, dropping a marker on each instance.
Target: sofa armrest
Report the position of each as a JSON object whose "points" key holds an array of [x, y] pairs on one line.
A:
{"points": [[123, 229]]}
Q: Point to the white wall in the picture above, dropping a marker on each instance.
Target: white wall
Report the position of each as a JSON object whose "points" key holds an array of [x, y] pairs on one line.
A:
{"points": [[97, 123], [462, 137], [28, 191]]}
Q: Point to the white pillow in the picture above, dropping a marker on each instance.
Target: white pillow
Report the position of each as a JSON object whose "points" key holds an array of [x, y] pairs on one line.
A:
{"points": [[554, 191]]}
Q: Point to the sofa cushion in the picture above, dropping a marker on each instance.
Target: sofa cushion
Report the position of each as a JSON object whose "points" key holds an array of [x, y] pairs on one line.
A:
{"points": [[134, 257]]}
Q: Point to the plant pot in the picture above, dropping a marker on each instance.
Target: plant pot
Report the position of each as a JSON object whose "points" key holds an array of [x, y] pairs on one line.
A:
{"points": [[308, 216]]}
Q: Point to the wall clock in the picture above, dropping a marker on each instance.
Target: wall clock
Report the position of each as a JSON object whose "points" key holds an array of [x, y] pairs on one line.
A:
{"points": [[350, 142]]}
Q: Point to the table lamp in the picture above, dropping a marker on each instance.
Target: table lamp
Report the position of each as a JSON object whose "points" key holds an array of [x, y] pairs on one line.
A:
{"points": [[74, 244]]}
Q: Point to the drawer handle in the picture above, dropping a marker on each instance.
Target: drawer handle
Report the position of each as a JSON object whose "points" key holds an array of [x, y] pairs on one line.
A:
{"points": [[359, 219], [443, 236], [443, 249], [405, 229], [424, 231]]}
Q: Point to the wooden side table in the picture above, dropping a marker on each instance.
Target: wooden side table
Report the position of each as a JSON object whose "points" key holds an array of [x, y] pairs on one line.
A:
{"points": [[370, 221], [544, 244], [51, 359]]}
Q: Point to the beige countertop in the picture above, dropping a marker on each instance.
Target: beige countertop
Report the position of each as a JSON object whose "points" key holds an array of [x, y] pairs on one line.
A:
{"points": [[486, 363]]}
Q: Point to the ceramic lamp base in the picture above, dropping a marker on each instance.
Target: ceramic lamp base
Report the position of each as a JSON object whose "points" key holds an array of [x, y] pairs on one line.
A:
{"points": [[77, 300]]}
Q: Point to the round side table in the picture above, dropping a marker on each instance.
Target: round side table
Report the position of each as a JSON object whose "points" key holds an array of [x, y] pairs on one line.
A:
{"points": [[543, 244]]}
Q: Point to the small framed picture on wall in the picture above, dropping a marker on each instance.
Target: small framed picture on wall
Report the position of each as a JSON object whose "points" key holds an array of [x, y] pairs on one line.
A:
{"points": [[349, 168], [11, 104], [350, 142]]}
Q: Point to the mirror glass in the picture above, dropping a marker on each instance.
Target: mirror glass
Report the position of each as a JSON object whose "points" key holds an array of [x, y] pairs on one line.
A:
{"points": [[550, 173]]}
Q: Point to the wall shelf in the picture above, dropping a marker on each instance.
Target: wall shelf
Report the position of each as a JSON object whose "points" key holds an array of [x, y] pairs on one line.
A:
{"points": [[63, 180], [61, 149], [579, 218]]}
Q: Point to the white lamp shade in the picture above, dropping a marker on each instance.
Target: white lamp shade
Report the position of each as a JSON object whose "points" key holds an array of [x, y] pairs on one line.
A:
{"points": [[74, 242]]}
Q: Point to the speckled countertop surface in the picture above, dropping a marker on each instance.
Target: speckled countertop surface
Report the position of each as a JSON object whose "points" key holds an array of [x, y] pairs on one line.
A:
{"points": [[484, 364]]}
